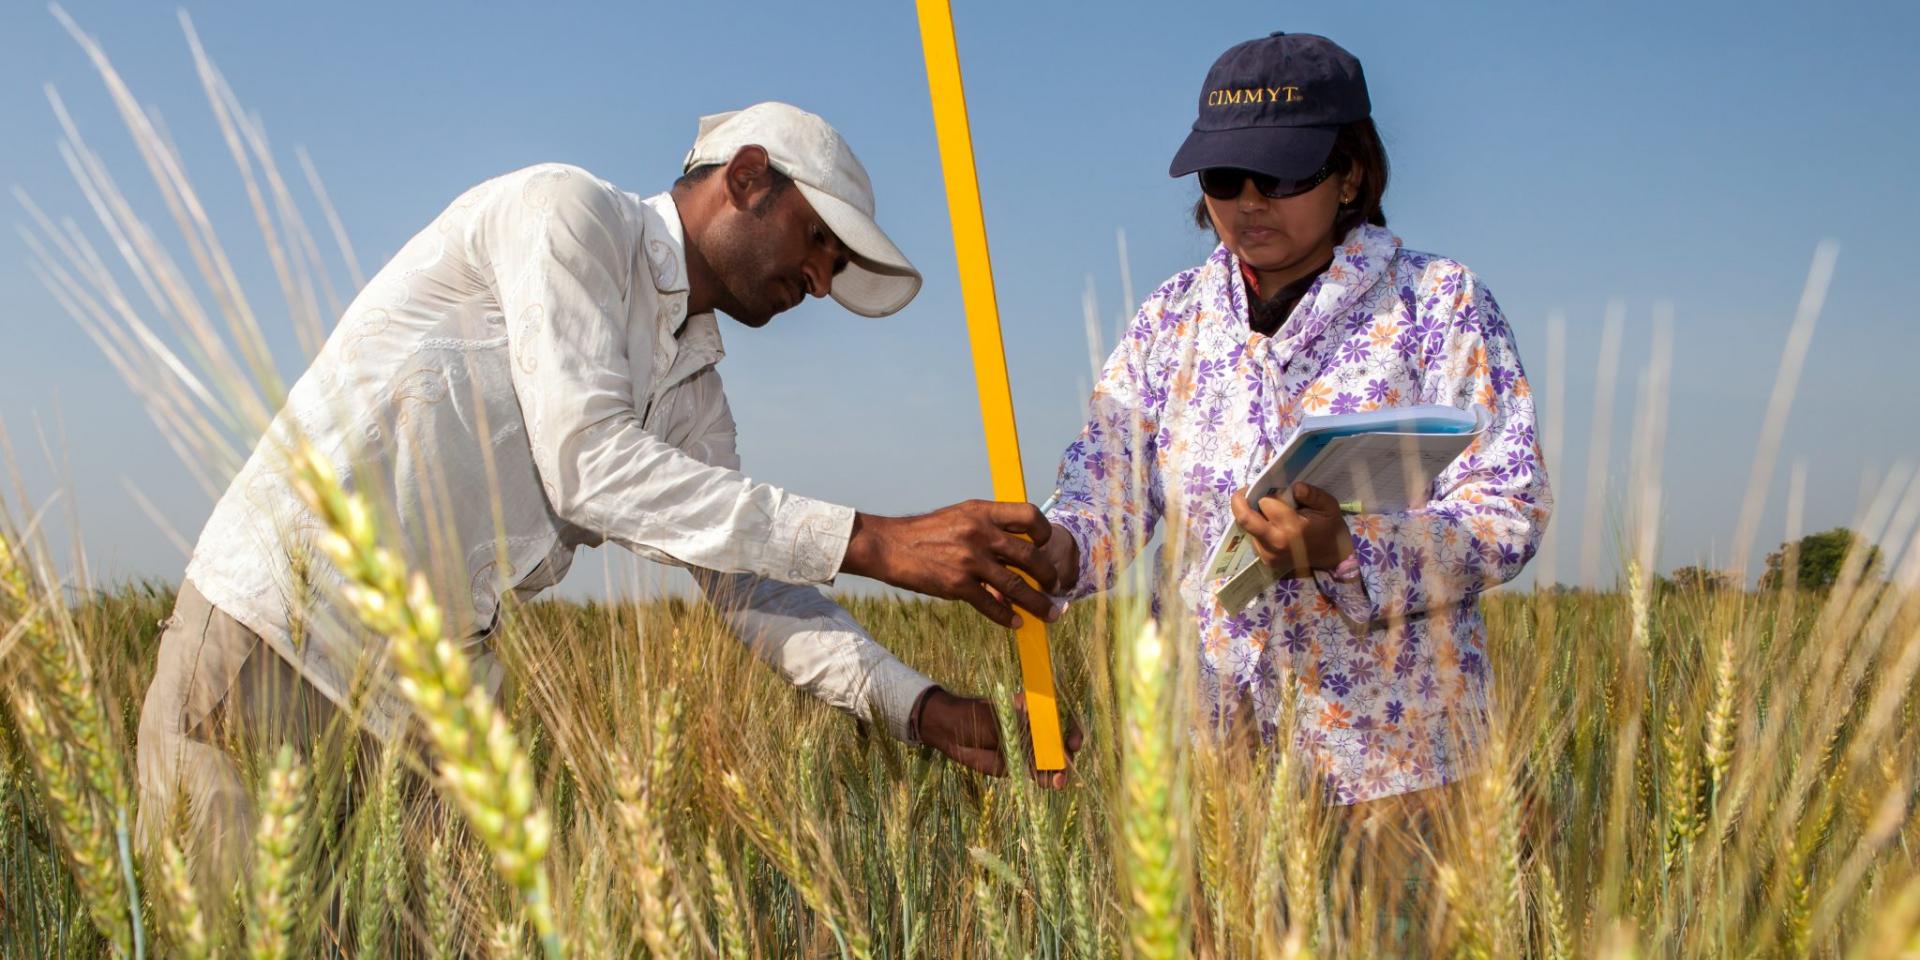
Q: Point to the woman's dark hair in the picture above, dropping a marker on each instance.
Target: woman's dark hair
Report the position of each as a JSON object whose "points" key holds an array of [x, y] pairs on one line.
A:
{"points": [[1357, 142]]}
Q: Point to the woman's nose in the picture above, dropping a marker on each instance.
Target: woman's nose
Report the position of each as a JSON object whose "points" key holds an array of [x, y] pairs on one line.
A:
{"points": [[1250, 198]]}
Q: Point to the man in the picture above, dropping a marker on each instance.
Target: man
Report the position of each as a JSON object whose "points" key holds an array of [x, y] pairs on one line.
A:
{"points": [[536, 371]]}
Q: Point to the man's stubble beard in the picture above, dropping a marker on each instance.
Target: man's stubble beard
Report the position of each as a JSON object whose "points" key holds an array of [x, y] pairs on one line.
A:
{"points": [[741, 271]]}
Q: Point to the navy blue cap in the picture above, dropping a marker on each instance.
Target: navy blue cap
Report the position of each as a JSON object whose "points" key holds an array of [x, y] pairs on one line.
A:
{"points": [[1273, 106]]}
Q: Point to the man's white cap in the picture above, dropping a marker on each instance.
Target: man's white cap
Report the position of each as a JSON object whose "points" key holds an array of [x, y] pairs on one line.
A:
{"points": [[878, 279]]}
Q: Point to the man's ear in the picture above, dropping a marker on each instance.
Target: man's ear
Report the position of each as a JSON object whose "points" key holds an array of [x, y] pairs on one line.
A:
{"points": [[747, 175]]}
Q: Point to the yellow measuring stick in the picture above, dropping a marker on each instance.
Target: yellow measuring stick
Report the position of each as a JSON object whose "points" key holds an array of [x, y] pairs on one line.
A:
{"points": [[989, 355]]}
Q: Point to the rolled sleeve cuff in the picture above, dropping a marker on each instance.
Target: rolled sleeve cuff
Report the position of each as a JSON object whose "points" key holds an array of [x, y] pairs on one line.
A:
{"points": [[1348, 586], [1087, 535], [808, 540], [894, 689]]}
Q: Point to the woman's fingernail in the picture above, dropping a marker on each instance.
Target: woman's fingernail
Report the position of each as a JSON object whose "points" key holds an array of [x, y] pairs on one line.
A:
{"points": [[1018, 623]]}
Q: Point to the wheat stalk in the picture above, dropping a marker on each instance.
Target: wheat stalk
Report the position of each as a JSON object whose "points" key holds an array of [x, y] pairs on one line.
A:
{"points": [[442, 912], [480, 760], [276, 848], [726, 904], [83, 831], [1151, 774], [186, 926], [662, 919], [777, 848]]}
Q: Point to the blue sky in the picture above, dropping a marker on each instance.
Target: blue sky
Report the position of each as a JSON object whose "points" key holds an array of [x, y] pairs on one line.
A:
{"points": [[1687, 154]]}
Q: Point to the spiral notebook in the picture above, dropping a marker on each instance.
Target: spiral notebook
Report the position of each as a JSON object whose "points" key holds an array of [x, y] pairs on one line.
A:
{"points": [[1383, 461]]}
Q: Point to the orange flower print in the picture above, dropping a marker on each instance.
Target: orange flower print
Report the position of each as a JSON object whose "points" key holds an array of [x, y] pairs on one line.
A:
{"points": [[1183, 385], [1400, 759], [1336, 717], [1215, 638], [1482, 528], [1317, 397], [1477, 363], [1381, 334]]}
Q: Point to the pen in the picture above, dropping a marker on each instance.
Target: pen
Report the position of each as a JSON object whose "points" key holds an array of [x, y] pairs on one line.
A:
{"points": [[1053, 500]]}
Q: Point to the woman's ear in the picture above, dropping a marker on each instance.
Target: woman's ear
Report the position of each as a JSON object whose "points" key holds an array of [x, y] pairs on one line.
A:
{"points": [[1351, 181]]}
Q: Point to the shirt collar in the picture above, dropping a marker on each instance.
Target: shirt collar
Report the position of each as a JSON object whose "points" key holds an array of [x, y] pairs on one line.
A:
{"points": [[664, 243], [695, 341], [1358, 262]]}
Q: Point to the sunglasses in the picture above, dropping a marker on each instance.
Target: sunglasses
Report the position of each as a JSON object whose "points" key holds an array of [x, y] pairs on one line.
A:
{"points": [[1225, 183]]}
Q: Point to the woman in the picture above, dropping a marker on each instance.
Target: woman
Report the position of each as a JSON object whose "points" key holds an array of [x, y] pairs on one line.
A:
{"points": [[1309, 306]]}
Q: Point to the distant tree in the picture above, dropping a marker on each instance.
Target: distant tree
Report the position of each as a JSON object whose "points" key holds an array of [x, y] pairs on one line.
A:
{"points": [[1817, 560], [1701, 579]]}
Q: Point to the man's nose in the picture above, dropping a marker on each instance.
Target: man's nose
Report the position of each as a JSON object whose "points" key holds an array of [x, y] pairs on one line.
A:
{"points": [[819, 277]]}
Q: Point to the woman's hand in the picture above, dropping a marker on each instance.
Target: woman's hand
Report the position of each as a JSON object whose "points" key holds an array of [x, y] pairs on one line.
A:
{"points": [[1312, 535]]}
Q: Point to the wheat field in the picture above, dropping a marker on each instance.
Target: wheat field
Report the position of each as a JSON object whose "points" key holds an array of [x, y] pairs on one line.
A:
{"points": [[1680, 774], [1672, 770]]}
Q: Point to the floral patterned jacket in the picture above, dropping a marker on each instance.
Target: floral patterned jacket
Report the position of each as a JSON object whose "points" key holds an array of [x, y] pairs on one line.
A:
{"points": [[1388, 668]]}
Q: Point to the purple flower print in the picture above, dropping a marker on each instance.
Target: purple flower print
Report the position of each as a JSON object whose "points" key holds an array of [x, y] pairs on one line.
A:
{"points": [[1363, 670], [1502, 379], [1097, 466], [1364, 552], [1471, 664], [1339, 683], [1294, 638], [1199, 479], [1239, 626], [1407, 662], [1520, 459], [1287, 592], [1260, 674]]}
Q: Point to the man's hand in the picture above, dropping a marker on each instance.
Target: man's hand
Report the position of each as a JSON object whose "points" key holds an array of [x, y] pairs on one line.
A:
{"points": [[965, 730], [1311, 535], [969, 551]]}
